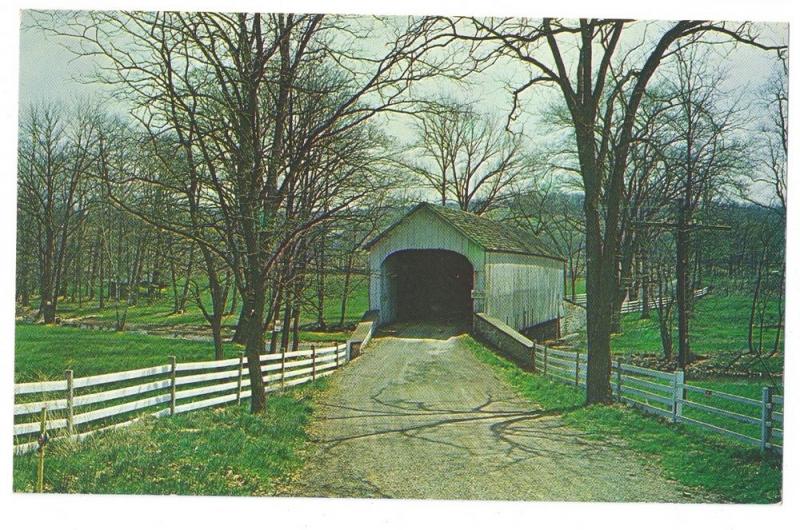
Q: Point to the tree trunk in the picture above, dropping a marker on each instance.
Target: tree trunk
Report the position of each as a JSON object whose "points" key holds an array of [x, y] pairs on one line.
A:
{"points": [[276, 308], [216, 333], [101, 267], [346, 289], [186, 281], [295, 327], [321, 285], [682, 290], [779, 323], [753, 305], [47, 304], [24, 291], [287, 323], [600, 289], [646, 286], [240, 335], [254, 345], [234, 301], [664, 316]]}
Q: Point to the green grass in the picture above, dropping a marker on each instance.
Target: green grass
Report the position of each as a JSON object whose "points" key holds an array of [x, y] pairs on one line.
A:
{"points": [[718, 327], [44, 352], [749, 388], [225, 451], [324, 336], [580, 286], [158, 310], [734, 472]]}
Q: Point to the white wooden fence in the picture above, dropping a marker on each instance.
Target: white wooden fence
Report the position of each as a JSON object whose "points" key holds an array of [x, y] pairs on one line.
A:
{"points": [[632, 306], [756, 422], [80, 407]]}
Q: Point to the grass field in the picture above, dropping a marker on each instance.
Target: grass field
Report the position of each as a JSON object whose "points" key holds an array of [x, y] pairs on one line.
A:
{"points": [[225, 451], [158, 311], [580, 286], [749, 388], [718, 327], [694, 458], [44, 352]]}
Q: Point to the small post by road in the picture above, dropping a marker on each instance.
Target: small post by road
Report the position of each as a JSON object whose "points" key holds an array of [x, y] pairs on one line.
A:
{"points": [[533, 357]]}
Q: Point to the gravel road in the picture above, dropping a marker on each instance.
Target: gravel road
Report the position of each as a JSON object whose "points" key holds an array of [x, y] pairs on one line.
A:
{"points": [[421, 417]]}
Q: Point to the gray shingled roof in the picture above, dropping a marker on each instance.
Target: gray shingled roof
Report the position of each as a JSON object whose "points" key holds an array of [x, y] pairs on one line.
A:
{"points": [[489, 234]]}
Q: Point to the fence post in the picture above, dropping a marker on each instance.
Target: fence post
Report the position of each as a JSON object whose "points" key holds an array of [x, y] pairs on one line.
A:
{"points": [[336, 351], [766, 416], [70, 399], [42, 442], [619, 380], [239, 382], [533, 358], [283, 366], [678, 394], [173, 366], [313, 363], [545, 359], [577, 369]]}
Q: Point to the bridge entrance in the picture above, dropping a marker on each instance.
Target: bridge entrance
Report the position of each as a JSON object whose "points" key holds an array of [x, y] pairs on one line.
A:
{"points": [[429, 285]]}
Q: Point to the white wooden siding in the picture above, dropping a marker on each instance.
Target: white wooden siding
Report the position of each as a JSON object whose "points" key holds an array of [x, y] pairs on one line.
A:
{"points": [[523, 290], [518, 289], [422, 230]]}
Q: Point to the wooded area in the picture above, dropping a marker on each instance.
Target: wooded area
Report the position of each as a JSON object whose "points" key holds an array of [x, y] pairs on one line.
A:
{"points": [[257, 159]]}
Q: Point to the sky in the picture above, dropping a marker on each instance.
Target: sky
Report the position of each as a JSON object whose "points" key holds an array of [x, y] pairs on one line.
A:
{"points": [[49, 71]]}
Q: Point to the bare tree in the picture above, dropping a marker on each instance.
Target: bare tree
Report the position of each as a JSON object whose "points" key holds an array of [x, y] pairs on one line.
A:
{"points": [[225, 86], [466, 156], [769, 178], [556, 218], [606, 88], [705, 155], [56, 150]]}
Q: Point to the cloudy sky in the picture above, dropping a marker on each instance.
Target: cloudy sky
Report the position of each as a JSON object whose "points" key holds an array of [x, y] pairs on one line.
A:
{"points": [[49, 71]]}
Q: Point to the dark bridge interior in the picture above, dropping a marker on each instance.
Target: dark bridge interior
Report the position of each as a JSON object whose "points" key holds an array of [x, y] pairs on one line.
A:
{"points": [[430, 285]]}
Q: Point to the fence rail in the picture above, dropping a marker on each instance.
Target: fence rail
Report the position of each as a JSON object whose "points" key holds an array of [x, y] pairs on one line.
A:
{"points": [[757, 422], [105, 401], [632, 306]]}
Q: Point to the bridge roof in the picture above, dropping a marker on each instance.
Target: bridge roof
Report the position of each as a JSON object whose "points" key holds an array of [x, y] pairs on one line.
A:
{"points": [[492, 236]]}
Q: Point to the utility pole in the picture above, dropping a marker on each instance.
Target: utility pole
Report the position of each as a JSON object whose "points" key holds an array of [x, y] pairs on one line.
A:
{"points": [[684, 228]]}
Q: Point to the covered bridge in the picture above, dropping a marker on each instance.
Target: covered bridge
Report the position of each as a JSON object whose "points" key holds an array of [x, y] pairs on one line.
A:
{"points": [[439, 263]]}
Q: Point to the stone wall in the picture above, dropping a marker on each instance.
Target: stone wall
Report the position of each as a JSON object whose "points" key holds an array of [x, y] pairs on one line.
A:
{"points": [[544, 331], [362, 334], [505, 339]]}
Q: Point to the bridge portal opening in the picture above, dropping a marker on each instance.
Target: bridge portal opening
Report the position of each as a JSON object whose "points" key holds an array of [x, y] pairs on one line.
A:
{"points": [[429, 285]]}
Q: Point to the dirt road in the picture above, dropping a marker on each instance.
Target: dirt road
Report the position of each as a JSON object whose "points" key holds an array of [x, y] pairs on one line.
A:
{"points": [[421, 417]]}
